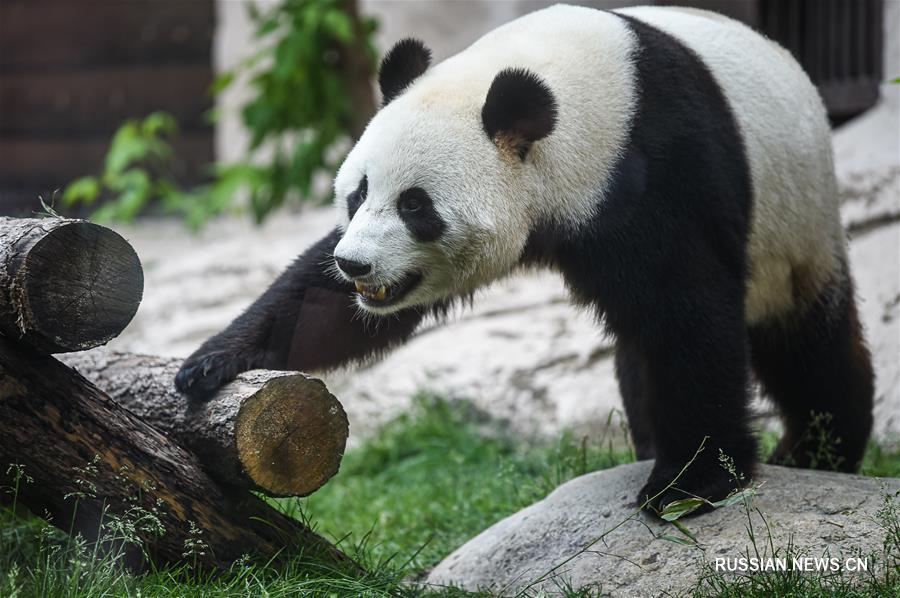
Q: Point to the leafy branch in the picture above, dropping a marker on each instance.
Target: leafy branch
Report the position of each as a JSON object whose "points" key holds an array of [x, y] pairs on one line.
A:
{"points": [[311, 94]]}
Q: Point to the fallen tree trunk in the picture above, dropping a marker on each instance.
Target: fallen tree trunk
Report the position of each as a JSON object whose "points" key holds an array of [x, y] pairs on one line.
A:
{"points": [[65, 285], [93, 463], [278, 432]]}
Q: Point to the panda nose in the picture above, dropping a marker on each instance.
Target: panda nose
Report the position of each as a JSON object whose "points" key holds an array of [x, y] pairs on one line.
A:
{"points": [[351, 268]]}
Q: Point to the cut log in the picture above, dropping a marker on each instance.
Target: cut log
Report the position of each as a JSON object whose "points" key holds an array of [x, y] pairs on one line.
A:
{"points": [[278, 432], [65, 285], [93, 462]]}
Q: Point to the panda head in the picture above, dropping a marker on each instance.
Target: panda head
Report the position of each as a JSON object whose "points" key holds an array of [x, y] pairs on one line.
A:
{"points": [[436, 198]]}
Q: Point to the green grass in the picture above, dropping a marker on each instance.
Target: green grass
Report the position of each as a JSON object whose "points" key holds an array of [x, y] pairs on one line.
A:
{"points": [[881, 463], [432, 480], [424, 485], [405, 499]]}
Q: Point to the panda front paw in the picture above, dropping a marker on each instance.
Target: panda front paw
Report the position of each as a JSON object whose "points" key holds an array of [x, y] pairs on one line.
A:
{"points": [[705, 480], [201, 376]]}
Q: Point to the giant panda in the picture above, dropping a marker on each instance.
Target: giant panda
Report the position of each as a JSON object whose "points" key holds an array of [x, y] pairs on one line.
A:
{"points": [[672, 164]]}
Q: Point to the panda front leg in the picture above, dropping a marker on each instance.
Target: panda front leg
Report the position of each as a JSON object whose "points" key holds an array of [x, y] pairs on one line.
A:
{"points": [[306, 320], [694, 350], [631, 374]]}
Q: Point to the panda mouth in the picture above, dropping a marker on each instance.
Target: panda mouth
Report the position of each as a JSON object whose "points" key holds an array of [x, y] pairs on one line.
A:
{"points": [[384, 295]]}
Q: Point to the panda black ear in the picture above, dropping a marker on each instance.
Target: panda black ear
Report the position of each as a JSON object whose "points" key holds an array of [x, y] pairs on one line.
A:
{"points": [[519, 110], [408, 59]]}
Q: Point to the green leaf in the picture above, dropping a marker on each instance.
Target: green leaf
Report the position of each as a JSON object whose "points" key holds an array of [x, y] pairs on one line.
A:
{"points": [[258, 117], [267, 27], [48, 208], [339, 25], [105, 214], [159, 123], [253, 11], [734, 498], [370, 25], [135, 188], [84, 190], [677, 540], [680, 508], [222, 82], [288, 55], [896, 80], [159, 149], [213, 115], [684, 530], [227, 185], [127, 146]]}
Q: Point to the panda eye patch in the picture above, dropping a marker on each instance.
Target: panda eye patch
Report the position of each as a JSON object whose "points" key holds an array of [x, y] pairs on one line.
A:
{"points": [[409, 203], [355, 199], [363, 187], [417, 211]]}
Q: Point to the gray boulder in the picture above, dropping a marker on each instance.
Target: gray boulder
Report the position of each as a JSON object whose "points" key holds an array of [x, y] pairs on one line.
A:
{"points": [[819, 513]]}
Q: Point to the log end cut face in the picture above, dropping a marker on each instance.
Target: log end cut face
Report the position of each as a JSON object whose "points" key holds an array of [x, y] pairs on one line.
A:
{"points": [[291, 435], [82, 285]]}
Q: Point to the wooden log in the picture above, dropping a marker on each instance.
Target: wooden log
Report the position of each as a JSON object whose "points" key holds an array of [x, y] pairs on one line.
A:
{"points": [[278, 432], [65, 285], [93, 462]]}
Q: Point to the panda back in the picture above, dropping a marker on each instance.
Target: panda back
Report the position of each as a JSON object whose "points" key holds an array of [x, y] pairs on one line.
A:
{"points": [[795, 220]]}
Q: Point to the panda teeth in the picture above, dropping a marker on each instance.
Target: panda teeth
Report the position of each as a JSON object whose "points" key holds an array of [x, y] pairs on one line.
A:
{"points": [[371, 292]]}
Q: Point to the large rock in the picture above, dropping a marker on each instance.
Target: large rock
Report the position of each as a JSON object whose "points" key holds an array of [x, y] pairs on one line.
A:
{"points": [[818, 512]]}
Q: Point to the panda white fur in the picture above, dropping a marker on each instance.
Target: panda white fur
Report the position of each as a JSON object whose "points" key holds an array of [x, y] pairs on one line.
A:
{"points": [[672, 164]]}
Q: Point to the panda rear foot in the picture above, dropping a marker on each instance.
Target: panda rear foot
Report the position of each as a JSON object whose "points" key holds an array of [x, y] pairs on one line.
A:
{"points": [[823, 446]]}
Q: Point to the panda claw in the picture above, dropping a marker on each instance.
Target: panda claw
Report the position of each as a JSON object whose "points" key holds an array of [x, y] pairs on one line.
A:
{"points": [[713, 483], [199, 378]]}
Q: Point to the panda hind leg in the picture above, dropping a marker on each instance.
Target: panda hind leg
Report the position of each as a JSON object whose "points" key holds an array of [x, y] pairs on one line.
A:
{"points": [[815, 366]]}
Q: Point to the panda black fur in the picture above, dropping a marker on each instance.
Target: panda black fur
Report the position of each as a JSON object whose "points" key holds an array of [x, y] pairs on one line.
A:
{"points": [[672, 164]]}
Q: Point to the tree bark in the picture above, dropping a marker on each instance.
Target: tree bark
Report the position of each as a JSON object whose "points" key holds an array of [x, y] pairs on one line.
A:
{"points": [[93, 463], [65, 285], [278, 432], [356, 70]]}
